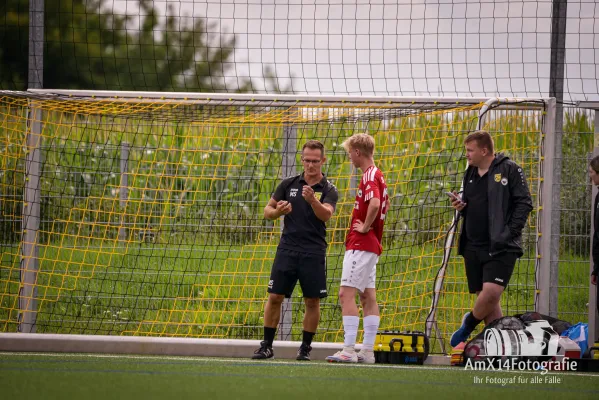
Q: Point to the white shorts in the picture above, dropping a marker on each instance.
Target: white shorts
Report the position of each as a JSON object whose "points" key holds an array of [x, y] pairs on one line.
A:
{"points": [[359, 269]]}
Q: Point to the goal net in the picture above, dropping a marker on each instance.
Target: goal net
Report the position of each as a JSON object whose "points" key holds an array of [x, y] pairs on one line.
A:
{"points": [[142, 213]]}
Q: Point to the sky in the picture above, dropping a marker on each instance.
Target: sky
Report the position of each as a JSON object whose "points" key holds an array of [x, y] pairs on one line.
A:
{"points": [[402, 47]]}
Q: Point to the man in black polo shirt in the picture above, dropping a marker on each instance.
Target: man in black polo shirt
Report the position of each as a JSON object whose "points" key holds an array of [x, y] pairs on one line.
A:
{"points": [[307, 201], [495, 205]]}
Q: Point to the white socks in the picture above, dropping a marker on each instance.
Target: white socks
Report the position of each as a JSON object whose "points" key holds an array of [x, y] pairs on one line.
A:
{"points": [[350, 326], [371, 326]]}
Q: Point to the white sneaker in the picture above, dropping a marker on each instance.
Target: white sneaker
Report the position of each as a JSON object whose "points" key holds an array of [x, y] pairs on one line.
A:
{"points": [[366, 357], [347, 355]]}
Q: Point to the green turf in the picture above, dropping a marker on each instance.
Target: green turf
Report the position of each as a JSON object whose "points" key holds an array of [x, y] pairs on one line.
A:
{"points": [[101, 377]]}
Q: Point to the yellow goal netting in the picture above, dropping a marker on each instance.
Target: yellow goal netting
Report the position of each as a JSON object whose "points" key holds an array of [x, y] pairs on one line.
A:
{"points": [[150, 209]]}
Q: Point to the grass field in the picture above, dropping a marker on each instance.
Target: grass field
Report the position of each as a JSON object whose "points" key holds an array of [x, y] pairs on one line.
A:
{"points": [[95, 377]]}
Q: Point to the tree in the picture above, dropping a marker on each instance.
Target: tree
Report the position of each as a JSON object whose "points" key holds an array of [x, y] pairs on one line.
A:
{"points": [[13, 44], [88, 46]]}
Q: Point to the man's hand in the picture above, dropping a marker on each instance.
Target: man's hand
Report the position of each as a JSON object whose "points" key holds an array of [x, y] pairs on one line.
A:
{"points": [[360, 227], [283, 207], [594, 279], [456, 202], [308, 194]]}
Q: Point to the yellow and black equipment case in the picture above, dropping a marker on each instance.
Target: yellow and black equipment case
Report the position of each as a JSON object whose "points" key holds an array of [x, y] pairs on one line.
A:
{"points": [[394, 347]]}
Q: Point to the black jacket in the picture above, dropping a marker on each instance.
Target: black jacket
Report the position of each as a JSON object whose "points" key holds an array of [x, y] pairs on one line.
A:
{"points": [[509, 205], [596, 238]]}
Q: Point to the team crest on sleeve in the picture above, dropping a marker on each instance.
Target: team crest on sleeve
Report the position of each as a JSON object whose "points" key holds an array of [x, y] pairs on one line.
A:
{"points": [[498, 178]]}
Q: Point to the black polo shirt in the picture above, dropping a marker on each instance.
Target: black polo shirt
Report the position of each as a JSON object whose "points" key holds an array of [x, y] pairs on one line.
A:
{"points": [[302, 230], [477, 213]]}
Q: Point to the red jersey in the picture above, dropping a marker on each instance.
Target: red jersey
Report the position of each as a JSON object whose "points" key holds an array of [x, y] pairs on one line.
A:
{"points": [[372, 185]]}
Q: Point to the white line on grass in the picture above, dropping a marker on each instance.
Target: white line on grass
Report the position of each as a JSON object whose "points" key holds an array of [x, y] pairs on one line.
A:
{"points": [[267, 362]]}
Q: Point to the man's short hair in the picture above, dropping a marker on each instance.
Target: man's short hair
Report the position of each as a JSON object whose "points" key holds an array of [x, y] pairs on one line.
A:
{"points": [[361, 141], [314, 145], [595, 164], [482, 139]]}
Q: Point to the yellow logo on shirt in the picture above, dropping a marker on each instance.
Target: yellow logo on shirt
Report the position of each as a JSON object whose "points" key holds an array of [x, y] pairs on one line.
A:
{"points": [[497, 177]]}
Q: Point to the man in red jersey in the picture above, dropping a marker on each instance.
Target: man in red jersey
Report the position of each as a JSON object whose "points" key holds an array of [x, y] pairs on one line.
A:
{"points": [[363, 248]]}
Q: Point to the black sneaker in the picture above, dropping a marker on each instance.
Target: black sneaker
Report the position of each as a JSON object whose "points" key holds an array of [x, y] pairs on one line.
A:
{"points": [[303, 354], [264, 352]]}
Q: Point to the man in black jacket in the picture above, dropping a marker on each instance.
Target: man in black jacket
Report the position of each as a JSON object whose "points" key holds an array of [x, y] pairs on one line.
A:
{"points": [[594, 175], [494, 206]]}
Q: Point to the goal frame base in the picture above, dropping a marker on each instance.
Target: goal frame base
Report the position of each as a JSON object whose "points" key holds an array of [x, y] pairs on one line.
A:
{"points": [[165, 346]]}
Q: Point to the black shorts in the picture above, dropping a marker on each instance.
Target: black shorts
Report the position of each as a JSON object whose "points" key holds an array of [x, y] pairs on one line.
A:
{"points": [[481, 268], [290, 266]]}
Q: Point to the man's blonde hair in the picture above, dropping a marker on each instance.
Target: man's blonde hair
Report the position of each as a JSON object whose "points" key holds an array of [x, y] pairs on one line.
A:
{"points": [[361, 141]]}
